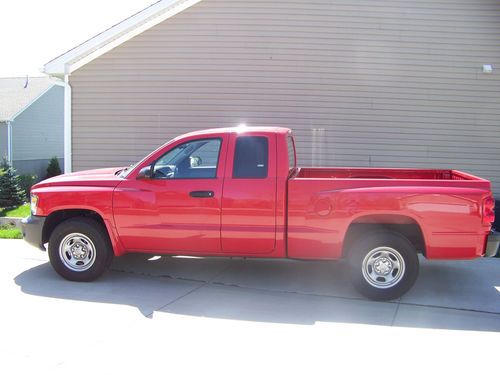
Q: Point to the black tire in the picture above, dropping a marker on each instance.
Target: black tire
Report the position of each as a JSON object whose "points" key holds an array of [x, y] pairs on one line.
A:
{"points": [[383, 265], [80, 249]]}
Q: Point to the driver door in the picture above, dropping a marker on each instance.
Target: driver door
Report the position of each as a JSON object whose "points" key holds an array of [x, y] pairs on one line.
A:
{"points": [[177, 209]]}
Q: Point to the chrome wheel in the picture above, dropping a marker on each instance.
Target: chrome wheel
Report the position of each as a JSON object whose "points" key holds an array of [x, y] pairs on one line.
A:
{"points": [[383, 267], [77, 252]]}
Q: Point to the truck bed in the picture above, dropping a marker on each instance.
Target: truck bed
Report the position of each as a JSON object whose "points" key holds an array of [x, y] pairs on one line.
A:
{"points": [[385, 173], [446, 204]]}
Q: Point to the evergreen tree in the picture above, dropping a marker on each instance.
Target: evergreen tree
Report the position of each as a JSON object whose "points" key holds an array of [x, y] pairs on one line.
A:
{"points": [[11, 194], [53, 169]]}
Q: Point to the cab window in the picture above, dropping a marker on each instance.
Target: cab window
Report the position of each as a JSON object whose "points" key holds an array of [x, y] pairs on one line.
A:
{"points": [[194, 159], [291, 153], [251, 157]]}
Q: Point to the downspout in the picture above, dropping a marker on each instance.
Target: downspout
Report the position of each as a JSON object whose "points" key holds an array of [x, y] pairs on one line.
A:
{"points": [[9, 143], [67, 126], [67, 120]]}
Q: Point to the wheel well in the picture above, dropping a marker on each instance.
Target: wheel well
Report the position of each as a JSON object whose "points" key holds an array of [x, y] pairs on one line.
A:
{"points": [[57, 217], [410, 230]]}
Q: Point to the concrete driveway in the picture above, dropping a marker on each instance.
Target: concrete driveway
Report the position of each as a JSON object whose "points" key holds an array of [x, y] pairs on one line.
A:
{"points": [[192, 315]]}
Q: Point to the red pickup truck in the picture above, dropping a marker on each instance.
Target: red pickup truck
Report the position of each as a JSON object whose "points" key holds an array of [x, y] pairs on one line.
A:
{"points": [[237, 192]]}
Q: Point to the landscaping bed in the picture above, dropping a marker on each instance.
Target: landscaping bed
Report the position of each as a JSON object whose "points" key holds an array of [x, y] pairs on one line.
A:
{"points": [[10, 231], [19, 211]]}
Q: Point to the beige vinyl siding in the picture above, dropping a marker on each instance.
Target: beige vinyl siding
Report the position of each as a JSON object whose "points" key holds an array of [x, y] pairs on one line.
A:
{"points": [[362, 83]]}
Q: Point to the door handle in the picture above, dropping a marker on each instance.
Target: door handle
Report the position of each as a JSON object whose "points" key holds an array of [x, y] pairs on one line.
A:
{"points": [[201, 194]]}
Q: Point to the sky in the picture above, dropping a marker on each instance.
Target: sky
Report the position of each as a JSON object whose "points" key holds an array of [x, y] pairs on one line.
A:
{"points": [[33, 32]]}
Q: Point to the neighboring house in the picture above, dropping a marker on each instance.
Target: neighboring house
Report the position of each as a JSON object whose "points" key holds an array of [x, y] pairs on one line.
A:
{"points": [[31, 123], [365, 83]]}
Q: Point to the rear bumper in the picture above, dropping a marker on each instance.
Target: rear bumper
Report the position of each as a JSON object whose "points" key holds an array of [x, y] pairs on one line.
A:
{"points": [[32, 228], [492, 244]]}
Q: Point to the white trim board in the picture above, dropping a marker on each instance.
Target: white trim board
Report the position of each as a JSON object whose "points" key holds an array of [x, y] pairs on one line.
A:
{"points": [[114, 36]]}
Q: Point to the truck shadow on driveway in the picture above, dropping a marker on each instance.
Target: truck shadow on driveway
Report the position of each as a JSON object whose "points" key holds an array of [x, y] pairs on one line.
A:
{"points": [[448, 295]]}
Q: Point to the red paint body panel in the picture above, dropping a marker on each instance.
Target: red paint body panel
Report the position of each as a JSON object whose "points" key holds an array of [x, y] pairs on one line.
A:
{"points": [[99, 199], [160, 215], [249, 206], [301, 213], [449, 217]]}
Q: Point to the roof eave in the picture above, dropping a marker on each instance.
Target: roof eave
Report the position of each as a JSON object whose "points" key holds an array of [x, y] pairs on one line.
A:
{"points": [[114, 36]]}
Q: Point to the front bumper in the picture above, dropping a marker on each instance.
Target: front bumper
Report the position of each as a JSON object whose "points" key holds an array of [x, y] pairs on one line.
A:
{"points": [[32, 228], [492, 244]]}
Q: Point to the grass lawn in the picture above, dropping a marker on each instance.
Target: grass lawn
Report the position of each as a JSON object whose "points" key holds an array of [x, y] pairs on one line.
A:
{"points": [[10, 231], [21, 211]]}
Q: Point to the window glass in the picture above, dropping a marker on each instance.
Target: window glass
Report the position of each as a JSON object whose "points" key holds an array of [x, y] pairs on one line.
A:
{"points": [[196, 159], [250, 157], [291, 153]]}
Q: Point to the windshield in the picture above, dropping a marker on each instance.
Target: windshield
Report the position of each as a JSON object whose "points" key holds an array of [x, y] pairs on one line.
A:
{"points": [[124, 173]]}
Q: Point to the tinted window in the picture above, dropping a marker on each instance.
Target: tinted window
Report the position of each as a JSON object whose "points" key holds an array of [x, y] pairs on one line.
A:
{"points": [[196, 159], [250, 157]]}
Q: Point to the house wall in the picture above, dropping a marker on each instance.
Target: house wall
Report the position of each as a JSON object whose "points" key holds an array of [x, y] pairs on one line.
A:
{"points": [[367, 83], [37, 167], [38, 133], [3, 140]]}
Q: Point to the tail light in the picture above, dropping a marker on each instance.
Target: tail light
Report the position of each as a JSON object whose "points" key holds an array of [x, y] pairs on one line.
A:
{"points": [[488, 210]]}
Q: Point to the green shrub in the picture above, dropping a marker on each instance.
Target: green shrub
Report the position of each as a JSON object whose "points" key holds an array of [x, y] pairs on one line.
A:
{"points": [[53, 169], [26, 181], [11, 194]]}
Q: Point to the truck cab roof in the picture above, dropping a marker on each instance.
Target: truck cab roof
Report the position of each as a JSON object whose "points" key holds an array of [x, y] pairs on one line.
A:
{"points": [[239, 129]]}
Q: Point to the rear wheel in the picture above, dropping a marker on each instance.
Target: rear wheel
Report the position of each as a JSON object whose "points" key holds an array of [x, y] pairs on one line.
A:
{"points": [[383, 265], [79, 249]]}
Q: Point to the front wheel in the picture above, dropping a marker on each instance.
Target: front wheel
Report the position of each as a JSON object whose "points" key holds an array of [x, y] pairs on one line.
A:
{"points": [[79, 249], [383, 265]]}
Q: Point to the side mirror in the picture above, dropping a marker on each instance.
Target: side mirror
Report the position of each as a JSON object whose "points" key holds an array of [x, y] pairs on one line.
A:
{"points": [[194, 161], [144, 173]]}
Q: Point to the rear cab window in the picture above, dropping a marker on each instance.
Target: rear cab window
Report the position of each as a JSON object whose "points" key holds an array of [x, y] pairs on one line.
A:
{"points": [[251, 157], [291, 153]]}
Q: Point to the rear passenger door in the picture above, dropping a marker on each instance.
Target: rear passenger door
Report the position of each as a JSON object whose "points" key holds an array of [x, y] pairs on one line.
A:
{"points": [[249, 194]]}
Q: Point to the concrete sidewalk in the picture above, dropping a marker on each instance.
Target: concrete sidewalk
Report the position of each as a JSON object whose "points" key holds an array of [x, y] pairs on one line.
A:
{"points": [[241, 316]]}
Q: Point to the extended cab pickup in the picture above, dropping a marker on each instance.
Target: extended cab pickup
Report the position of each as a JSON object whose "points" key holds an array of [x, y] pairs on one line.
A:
{"points": [[237, 192]]}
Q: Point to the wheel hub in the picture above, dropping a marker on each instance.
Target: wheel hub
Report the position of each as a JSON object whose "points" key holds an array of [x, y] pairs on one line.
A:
{"points": [[79, 251], [383, 266]]}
